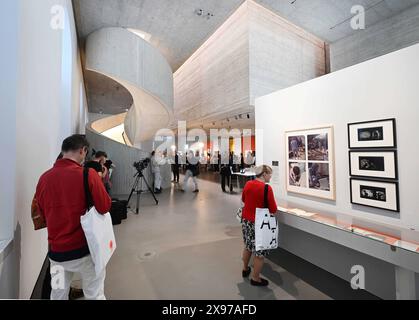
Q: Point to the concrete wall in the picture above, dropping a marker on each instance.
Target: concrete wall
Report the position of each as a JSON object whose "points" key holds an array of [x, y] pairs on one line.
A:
{"points": [[385, 87], [142, 70], [215, 79], [50, 106], [255, 52], [123, 158], [281, 54], [384, 37]]}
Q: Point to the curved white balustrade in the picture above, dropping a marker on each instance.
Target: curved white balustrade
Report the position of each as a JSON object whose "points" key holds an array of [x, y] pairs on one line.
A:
{"points": [[142, 70], [131, 61]]}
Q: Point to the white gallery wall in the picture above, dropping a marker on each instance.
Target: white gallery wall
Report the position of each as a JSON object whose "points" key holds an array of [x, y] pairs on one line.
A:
{"points": [[8, 89], [386, 87], [50, 106]]}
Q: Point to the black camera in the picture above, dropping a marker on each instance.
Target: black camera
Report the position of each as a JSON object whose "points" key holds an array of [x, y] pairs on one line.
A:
{"points": [[142, 164]]}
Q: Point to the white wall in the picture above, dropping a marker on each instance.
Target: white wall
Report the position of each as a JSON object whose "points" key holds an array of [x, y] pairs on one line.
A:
{"points": [[50, 106], [8, 89], [386, 87]]}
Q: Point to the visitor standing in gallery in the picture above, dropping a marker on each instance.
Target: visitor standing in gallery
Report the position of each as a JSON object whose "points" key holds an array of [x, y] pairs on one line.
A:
{"points": [[254, 197]]}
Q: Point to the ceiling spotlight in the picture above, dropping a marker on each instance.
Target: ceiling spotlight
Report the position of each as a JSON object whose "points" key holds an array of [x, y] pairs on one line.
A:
{"points": [[202, 13]]}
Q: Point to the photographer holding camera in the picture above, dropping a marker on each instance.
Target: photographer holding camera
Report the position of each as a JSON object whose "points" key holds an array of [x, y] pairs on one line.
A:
{"points": [[98, 163]]}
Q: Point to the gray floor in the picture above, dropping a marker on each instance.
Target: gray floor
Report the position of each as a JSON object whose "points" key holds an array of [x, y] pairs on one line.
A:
{"points": [[189, 247]]}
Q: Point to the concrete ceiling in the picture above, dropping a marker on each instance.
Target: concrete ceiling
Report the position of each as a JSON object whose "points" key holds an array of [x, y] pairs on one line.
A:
{"points": [[177, 31]]}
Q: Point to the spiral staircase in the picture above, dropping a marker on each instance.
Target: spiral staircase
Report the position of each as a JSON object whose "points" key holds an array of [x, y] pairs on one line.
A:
{"points": [[128, 59]]}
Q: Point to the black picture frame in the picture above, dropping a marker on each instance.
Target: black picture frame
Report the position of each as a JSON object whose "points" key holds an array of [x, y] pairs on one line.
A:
{"points": [[393, 120], [396, 183], [384, 179]]}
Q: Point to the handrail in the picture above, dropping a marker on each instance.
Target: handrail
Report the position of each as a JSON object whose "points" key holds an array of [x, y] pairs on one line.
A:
{"points": [[123, 137]]}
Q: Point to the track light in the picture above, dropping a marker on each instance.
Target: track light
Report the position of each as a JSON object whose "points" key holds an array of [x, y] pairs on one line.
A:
{"points": [[248, 116]]}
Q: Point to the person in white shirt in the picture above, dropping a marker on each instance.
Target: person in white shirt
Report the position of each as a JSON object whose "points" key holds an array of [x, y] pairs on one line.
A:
{"points": [[155, 169]]}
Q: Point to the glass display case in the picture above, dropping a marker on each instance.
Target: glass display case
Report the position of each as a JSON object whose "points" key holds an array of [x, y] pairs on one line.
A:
{"points": [[403, 238]]}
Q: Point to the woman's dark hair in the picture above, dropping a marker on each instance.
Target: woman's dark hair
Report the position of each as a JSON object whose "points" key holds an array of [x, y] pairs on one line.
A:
{"points": [[296, 170], [74, 143]]}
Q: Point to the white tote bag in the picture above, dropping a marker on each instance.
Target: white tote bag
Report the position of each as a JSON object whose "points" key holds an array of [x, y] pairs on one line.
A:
{"points": [[98, 230], [266, 228]]}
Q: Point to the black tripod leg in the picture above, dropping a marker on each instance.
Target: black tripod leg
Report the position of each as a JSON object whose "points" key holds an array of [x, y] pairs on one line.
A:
{"points": [[133, 189], [149, 189]]}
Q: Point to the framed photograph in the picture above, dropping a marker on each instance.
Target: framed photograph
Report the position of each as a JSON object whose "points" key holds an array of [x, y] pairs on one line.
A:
{"points": [[375, 194], [310, 162], [371, 164], [372, 134]]}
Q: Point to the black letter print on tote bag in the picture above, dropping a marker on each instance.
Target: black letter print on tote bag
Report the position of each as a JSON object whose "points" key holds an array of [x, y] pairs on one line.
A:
{"points": [[273, 234], [266, 223]]}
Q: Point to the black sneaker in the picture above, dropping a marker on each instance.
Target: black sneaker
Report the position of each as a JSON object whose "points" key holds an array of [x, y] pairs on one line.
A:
{"points": [[245, 274], [196, 191], [262, 283], [75, 294]]}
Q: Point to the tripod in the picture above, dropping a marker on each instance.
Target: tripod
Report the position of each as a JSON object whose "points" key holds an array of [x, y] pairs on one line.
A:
{"points": [[138, 188]]}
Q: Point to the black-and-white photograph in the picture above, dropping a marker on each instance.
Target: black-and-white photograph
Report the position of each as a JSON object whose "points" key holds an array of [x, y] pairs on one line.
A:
{"points": [[371, 134], [376, 194], [373, 193], [297, 147], [372, 163], [318, 147], [319, 177]]}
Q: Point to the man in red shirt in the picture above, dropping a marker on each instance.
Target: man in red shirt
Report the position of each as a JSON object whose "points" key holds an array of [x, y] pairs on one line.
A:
{"points": [[62, 201]]}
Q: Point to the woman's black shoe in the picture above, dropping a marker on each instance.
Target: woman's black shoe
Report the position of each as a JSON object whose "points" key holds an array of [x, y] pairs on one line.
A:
{"points": [[245, 274], [262, 283]]}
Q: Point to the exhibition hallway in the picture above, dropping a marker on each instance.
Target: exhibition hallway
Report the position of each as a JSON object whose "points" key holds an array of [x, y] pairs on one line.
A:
{"points": [[189, 247]]}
